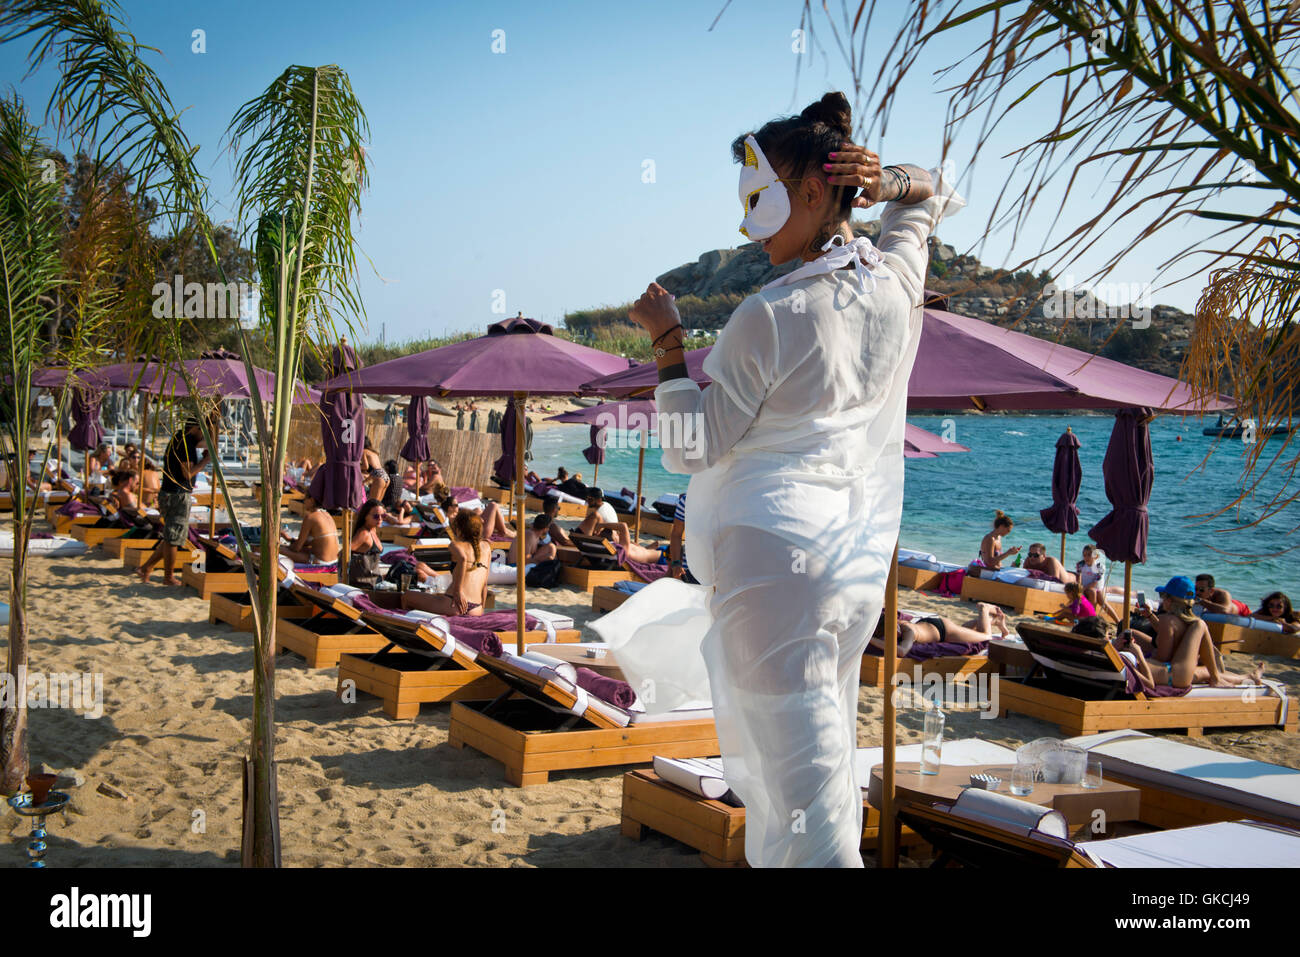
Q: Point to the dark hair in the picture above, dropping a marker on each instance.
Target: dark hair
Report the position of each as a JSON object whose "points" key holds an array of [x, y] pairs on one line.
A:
{"points": [[1002, 518], [595, 493], [1206, 578], [363, 513], [1288, 614], [391, 466], [118, 476], [365, 444], [799, 144], [447, 503], [1094, 627], [561, 474], [541, 521], [551, 505]]}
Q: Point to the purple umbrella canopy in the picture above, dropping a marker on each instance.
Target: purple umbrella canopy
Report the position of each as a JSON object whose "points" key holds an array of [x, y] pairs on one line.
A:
{"points": [[965, 363], [595, 452], [337, 483], [86, 432], [1129, 472], [416, 448], [1067, 476], [517, 355]]}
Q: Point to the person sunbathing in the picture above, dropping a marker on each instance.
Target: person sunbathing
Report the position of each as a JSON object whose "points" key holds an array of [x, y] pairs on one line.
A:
{"points": [[991, 622], [1039, 561], [551, 509], [126, 483], [1218, 600], [318, 538], [430, 480], [1194, 661], [538, 546], [1277, 607], [470, 560], [32, 483], [991, 555], [150, 483], [97, 464], [396, 508], [600, 514], [372, 469]]}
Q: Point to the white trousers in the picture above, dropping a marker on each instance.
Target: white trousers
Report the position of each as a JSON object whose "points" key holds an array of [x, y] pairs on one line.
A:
{"points": [[783, 655]]}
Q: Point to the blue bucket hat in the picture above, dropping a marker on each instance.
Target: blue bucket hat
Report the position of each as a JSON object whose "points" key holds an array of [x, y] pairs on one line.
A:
{"points": [[1180, 586]]}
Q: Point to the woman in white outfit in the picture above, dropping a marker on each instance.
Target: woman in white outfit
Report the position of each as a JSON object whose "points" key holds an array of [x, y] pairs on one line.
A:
{"points": [[796, 457]]}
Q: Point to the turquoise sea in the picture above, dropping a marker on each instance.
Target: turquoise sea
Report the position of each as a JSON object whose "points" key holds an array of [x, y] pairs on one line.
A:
{"points": [[949, 500]]}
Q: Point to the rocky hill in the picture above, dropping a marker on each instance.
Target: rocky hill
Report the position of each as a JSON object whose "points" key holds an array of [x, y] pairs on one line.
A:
{"points": [[1153, 338]]}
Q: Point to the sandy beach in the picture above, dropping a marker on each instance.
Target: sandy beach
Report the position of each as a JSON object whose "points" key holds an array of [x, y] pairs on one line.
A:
{"points": [[155, 781]]}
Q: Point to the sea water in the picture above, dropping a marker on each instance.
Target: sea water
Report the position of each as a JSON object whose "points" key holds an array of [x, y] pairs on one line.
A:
{"points": [[949, 500]]}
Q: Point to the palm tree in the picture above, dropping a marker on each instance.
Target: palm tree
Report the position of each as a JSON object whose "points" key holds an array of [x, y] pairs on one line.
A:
{"points": [[1181, 105], [300, 175], [30, 273]]}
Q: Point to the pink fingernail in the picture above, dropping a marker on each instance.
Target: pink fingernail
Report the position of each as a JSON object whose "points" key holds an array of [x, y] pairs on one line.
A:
{"points": [[833, 155], [826, 166]]}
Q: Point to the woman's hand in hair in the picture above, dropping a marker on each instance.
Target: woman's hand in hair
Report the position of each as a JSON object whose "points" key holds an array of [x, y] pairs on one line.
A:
{"points": [[855, 166], [655, 311]]}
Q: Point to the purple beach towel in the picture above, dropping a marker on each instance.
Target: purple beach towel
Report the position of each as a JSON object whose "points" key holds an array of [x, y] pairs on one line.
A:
{"points": [[644, 570], [618, 693]]}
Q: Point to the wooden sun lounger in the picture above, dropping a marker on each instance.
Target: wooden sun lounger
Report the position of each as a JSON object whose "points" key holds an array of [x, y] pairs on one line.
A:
{"points": [[326, 628], [94, 535], [607, 598], [417, 674], [286, 496], [599, 564], [973, 843], [537, 732], [224, 572], [714, 828], [1085, 704], [1019, 598], [236, 610], [1229, 637]]}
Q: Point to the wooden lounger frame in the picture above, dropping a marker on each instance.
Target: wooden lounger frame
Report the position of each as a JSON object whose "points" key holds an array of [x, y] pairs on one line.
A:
{"points": [[714, 828], [974, 843], [962, 667], [95, 535], [923, 579], [226, 579], [1045, 696], [236, 610], [598, 553], [1019, 598], [328, 628], [532, 739], [1253, 641], [606, 598]]}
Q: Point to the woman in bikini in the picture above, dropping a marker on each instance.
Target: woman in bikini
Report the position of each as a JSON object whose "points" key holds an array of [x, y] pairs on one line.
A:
{"points": [[1277, 608], [991, 554], [470, 558], [1195, 661], [990, 623], [363, 564]]}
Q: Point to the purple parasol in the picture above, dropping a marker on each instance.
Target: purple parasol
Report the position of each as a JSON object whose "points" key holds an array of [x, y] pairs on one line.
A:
{"points": [[337, 483], [1129, 473], [965, 363], [86, 432], [416, 448], [1067, 475], [503, 469], [595, 452]]}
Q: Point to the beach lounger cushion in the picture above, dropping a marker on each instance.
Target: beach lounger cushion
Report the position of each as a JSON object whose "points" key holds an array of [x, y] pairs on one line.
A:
{"points": [[1242, 621]]}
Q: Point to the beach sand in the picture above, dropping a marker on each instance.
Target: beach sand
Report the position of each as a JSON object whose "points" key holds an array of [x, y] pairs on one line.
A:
{"points": [[156, 780]]}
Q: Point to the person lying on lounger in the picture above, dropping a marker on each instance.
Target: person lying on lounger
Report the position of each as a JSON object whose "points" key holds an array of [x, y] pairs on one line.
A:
{"points": [[126, 483], [396, 508], [318, 538], [1039, 561], [991, 622], [600, 514], [470, 559], [1217, 600], [538, 546], [1277, 607], [1194, 661], [991, 555], [32, 484]]}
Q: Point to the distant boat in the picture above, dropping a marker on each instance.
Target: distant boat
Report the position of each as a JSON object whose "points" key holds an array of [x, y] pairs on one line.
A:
{"points": [[1234, 429], [585, 401]]}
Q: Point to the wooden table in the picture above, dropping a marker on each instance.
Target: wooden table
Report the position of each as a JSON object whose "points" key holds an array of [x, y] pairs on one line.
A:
{"points": [[1118, 802], [576, 655]]}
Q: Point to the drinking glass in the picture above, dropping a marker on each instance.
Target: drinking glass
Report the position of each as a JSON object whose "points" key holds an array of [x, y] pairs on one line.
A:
{"points": [[1092, 777], [1022, 779]]}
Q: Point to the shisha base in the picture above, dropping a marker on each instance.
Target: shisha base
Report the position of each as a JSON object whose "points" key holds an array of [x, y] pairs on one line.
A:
{"points": [[22, 804]]}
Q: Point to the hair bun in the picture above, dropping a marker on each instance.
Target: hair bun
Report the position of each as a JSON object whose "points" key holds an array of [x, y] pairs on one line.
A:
{"points": [[834, 110]]}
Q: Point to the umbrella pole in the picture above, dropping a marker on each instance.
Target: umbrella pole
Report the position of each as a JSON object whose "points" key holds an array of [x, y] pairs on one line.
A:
{"points": [[345, 553], [636, 506], [1063, 548], [520, 429], [888, 844], [1128, 585], [595, 479]]}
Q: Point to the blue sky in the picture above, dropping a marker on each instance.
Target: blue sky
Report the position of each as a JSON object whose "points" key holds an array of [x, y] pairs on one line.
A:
{"points": [[522, 171]]}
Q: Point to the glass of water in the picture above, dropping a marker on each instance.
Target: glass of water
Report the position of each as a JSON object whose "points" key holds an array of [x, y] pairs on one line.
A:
{"points": [[1092, 777], [1022, 779]]}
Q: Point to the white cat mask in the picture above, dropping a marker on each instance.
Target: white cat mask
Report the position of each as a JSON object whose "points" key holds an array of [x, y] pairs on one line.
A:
{"points": [[762, 195]]}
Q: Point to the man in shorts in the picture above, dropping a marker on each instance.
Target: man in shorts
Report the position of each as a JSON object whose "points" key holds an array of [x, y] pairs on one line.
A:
{"points": [[181, 462]]}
